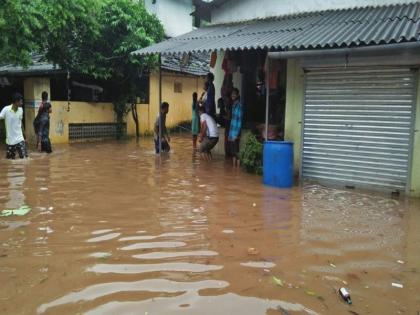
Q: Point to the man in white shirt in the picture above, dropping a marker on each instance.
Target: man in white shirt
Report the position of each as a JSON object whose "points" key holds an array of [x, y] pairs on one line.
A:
{"points": [[209, 134], [13, 115]]}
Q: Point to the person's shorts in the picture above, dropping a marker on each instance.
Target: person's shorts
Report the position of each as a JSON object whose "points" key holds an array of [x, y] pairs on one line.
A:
{"points": [[207, 144], [234, 148], [19, 147]]}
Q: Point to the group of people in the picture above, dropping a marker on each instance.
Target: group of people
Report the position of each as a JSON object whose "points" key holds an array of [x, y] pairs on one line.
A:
{"points": [[205, 121], [15, 139], [204, 124], [230, 117]]}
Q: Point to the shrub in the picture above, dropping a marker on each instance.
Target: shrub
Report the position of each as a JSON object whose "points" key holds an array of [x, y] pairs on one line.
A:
{"points": [[251, 155]]}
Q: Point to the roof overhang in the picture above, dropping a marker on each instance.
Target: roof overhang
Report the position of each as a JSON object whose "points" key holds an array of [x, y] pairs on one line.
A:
{"points": [[346, 28]]}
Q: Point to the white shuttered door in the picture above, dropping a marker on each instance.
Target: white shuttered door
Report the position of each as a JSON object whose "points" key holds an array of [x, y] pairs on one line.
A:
{"points": [[358, 126]]}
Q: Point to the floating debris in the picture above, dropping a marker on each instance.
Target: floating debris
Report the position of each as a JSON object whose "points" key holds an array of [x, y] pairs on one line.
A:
{"points": [[228, 231], [345, 295], [258, 264], [252, 251], [278, 281], [310, 292], [23, 210], [397, 285], [332, 265]]}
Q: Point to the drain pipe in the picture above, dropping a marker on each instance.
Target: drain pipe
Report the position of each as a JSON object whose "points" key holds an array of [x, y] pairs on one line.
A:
{"points": [[335, 51], [159, 104], [267, 94]]}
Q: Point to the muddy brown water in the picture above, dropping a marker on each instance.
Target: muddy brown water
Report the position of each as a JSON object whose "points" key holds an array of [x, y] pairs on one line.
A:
{"points": [[115, 230]]}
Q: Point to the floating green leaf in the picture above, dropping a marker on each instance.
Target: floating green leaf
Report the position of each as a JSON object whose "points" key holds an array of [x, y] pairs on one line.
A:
{"points": [[310, 292], [23, 210], [278, 281]]}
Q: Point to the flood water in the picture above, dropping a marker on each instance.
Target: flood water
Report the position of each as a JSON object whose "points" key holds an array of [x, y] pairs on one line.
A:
{"points": [[115, 230]]}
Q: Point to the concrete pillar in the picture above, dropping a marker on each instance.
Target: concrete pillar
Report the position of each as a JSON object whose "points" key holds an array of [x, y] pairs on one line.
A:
{"points": [[413, 236], [33, 88], [415, 167]]}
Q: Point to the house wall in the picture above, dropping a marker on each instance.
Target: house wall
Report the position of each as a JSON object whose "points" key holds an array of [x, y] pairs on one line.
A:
{"points": [[173, 14], [90, 112], [219, 75], [294, 108], [239, 10], [80, 112], [33, 88], [179, 103]]}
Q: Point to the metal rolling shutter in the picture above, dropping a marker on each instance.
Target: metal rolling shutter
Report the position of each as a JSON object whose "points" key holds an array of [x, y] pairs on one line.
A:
{"points": [[358, 126]]}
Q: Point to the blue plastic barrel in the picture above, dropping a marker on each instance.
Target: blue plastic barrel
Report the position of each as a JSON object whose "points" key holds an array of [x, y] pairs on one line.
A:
{"points": [[278, 163]]}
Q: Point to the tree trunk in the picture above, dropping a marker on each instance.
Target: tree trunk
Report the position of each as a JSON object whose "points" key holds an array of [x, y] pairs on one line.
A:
{"points": [[135, 118]]}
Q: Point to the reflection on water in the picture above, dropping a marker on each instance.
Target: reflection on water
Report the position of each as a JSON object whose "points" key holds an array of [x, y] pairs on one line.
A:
{"points": [[152, 285], [116, 230], [15, 175]]}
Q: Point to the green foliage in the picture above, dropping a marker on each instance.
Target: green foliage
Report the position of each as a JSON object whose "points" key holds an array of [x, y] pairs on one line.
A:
{"points": [[125, 26], [251, 155], [93, 37], [67, 27], [19, 27]]}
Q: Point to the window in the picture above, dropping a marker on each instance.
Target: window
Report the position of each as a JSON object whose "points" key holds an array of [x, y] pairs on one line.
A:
{"points": [[178, 87], [86, 89], [142, 88], [80, 89]]}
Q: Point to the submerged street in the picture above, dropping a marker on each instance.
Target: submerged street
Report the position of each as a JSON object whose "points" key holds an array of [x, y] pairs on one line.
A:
{"points": [[113, 229]]}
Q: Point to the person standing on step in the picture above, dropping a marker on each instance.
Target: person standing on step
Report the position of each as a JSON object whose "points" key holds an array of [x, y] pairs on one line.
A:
{"points": [[210, 102], [235, 127]]}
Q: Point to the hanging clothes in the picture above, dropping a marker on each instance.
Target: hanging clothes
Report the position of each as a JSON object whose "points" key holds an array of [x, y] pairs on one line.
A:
{"points": [[213, 59]]}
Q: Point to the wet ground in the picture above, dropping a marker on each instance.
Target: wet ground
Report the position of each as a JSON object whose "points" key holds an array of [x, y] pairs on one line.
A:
{"points": [[115, 230]]}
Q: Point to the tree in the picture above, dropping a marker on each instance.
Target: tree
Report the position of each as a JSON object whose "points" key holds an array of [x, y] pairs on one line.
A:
{"points": [[65, 28], [18, 28], [50, 27], [125, 26], [93, 37]]}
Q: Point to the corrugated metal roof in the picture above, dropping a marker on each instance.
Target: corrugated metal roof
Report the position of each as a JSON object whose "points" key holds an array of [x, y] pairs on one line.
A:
{"points": [[198, 64], [323, 29], [38, 66]]}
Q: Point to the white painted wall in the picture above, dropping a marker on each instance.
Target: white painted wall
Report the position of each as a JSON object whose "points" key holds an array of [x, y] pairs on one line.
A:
{"points": [[219, 75], [174, 15], [239, 10]]}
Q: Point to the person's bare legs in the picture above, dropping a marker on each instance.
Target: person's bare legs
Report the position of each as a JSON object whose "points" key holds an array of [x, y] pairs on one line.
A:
{"points": [[235, 161], [195, 142]]}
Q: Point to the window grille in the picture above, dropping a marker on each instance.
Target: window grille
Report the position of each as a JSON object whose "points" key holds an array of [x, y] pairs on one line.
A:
{"points": [[93, 131]]}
